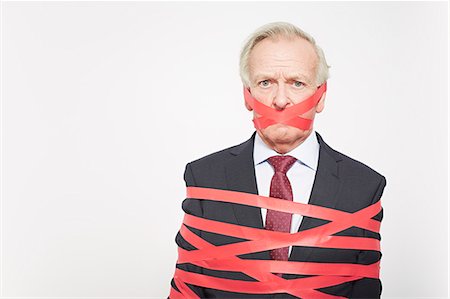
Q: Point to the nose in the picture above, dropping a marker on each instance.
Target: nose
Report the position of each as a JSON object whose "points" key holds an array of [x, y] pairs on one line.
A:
{"points": [[280, 100]]}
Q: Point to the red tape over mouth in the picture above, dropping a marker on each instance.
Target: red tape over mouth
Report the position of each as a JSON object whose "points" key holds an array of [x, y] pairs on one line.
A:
{"points": [[225, 258], [289, 116]]}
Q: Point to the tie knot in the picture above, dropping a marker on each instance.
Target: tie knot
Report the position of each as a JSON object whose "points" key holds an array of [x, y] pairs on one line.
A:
{"points": [[282, 163]]}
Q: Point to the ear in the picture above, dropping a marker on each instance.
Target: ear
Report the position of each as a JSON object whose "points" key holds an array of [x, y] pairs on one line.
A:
{"points": [[249, 108], [321, 104]]}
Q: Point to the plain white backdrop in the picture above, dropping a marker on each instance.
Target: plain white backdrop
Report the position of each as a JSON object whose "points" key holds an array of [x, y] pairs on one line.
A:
{"points": [[103, 104]]}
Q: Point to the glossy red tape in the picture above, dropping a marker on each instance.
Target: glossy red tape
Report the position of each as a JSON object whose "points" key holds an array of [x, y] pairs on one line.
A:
{"points": [[290, 116], [225, 258]]}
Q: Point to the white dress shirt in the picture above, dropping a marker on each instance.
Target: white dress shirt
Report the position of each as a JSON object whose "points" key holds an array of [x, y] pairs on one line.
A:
{"points": [[301, 175]]}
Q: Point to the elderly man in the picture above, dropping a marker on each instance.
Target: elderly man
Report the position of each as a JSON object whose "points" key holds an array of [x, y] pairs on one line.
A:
{"points": [[336, 255]]}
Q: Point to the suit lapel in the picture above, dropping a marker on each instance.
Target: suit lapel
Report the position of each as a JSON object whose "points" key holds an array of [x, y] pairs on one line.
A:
{"points": [[325, 187], [240, 175]]}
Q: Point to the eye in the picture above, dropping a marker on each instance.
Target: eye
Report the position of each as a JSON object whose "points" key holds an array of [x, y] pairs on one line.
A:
{"points": [[264, 83], [298, 84]]}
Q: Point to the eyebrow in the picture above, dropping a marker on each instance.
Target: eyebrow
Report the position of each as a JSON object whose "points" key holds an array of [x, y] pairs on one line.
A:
{"points": [[289, 76]]}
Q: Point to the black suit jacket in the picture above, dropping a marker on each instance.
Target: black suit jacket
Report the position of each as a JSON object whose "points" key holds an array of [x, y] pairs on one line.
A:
{"points": [[341, 183]]}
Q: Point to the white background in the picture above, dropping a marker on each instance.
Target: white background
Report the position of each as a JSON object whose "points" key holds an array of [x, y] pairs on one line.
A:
{"points": [[103, 104]]}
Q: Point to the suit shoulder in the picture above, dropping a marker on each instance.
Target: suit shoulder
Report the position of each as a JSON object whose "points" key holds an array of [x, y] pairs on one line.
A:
{"points": [[353, 167], [216, 158], [350, 166], [210, 170], [356, 168]]}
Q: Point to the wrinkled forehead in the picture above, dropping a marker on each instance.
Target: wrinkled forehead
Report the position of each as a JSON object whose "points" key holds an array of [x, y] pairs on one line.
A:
{"points": [[291, 58]]}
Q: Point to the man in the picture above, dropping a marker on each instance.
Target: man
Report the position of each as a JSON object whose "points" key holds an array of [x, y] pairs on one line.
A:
{"points": [[282, 68]]}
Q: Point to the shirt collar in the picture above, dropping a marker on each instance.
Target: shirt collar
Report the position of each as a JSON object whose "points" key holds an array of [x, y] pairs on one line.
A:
{"points": [[306, 153]]}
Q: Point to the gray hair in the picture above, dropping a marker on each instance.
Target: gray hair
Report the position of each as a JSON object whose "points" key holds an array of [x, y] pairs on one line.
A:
{"points": [[275, 30]]}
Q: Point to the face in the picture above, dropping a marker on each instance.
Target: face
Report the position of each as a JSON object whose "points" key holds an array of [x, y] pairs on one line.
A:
{"points": [[282, 73]]}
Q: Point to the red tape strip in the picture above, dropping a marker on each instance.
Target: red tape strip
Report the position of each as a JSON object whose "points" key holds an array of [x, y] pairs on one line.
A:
{"points": [[289, 116], [225, 257]]}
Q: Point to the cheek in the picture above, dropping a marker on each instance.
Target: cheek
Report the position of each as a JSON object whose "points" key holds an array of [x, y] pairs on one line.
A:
{"points": [[266, 101], [262, 97], [310, 114]]}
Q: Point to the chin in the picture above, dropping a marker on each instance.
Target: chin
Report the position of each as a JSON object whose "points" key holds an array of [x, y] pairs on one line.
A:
{"points": [[280, 133]]}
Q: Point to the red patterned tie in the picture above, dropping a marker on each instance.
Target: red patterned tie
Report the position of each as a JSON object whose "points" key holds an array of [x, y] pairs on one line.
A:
{"points": [[280, 188]]}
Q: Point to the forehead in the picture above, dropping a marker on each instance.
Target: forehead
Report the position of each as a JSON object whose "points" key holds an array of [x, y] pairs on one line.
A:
{"points": [[294, 57]]}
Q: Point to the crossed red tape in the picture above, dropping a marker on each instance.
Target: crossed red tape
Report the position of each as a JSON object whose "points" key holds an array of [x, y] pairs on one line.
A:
{"points": [[289, 116], [225, 258]]}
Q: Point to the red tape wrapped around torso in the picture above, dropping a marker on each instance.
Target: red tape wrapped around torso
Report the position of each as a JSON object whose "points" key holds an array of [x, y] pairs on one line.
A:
{"points": [[225, 258]]}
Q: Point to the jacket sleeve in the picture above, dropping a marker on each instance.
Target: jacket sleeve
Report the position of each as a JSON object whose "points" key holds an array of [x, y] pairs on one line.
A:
{"points": [[192, 207], [370, 287]]}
